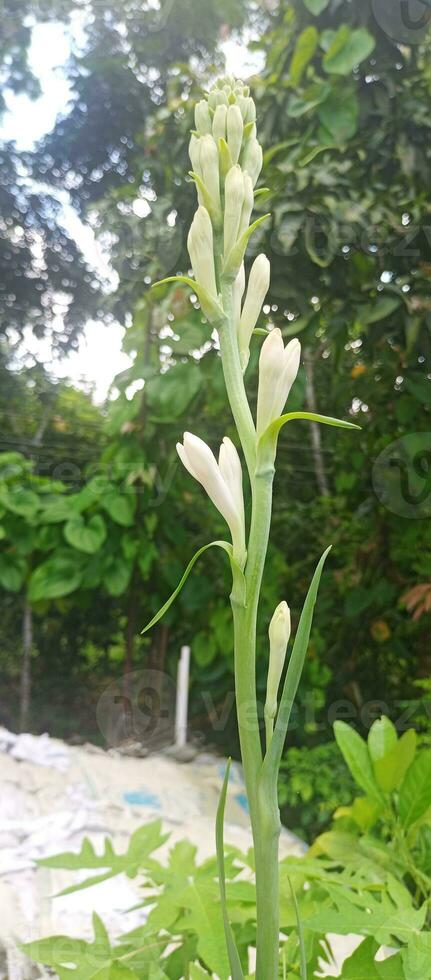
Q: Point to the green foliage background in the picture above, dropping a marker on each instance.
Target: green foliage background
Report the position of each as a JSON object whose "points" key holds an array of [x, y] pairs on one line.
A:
{"points": [[96, 531]]}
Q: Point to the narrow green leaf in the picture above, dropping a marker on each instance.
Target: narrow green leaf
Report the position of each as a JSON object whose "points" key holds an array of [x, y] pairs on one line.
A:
{"points": [[238, 575], [234, 960], [293, 675], [204, 297], [303, 957], [236, 254], [273, 430]]}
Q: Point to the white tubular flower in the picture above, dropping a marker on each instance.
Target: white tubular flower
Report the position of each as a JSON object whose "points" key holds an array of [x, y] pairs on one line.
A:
{"points": [[252, 159], [210, 169], [219, 122], [201, 250], [248, 205], [278, 367], [234, 200], [238, 293], [222, 482], [258, 285], [235, 129], [279, 635], [203, 118]]}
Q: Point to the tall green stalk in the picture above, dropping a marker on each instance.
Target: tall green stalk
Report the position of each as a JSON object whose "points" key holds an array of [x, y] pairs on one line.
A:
{"points": [[227, 159]]}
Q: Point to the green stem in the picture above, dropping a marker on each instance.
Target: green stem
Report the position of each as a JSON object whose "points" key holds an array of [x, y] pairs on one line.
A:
{"points": [[264, 812]]}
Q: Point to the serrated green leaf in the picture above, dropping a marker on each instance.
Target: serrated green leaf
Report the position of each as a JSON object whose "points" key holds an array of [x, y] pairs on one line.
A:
{"points": [[143, 842]]}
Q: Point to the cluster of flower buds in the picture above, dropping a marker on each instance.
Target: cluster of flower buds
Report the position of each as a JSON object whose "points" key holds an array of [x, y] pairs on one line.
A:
{"points": [[226, 162], [279, 635], [222, 481]]}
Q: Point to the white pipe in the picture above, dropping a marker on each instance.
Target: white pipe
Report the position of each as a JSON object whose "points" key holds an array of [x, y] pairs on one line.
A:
{"points": [[182, 704]]}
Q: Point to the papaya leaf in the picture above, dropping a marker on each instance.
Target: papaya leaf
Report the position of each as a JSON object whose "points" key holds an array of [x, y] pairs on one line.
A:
{"points": [[234, 960], [293, 675], [142, 843], [96, 960], [239, 581]]}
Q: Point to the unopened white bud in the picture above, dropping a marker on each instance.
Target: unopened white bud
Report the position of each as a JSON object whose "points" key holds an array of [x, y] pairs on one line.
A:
{"points": [[252, 159], [210, 169], [222, 482], [219, 122], [278, 367], [195, 154], [202, 117], [235, 129], [237, 294], [248, 205], [200, 244], [279, 635], [234, 200], [258, 285]]}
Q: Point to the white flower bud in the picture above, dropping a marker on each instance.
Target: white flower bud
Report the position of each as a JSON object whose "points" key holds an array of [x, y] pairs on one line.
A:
{"points": [[248, 205], [258, 285], [219, 122], [201, 250], [202, 117], [234, 200], [235, 129], [195, 154], [237, 294], [252, 159], [278, 367], [222, 482], [210, 169], [279, 635], [231, 471]]}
